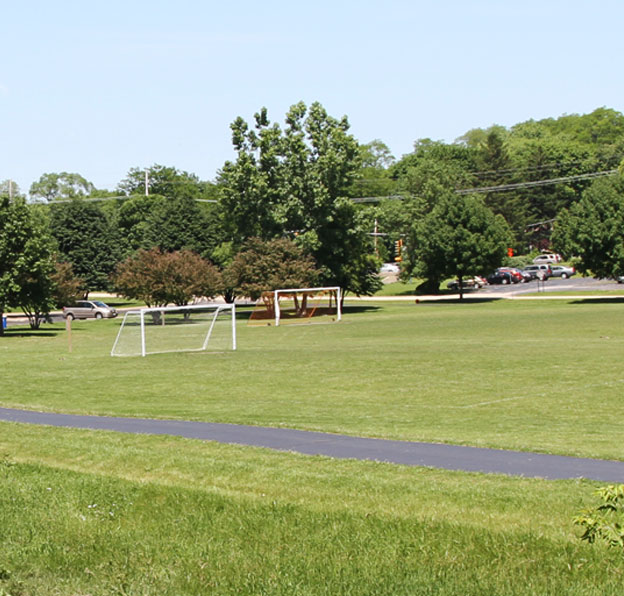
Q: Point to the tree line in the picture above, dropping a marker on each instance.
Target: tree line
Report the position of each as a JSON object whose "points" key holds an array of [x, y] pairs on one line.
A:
{"points": [[308, 192]]}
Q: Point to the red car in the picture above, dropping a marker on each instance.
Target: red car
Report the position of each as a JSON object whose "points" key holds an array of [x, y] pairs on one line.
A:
{"points": [[516, 274]]}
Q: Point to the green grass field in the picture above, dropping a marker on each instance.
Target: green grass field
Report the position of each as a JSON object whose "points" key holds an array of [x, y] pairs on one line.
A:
{"points": [[86, 512]]}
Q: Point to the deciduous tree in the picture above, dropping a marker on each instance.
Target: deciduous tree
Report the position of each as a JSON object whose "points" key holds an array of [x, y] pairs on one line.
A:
{"points": [[460, 237], [265, 265], [67, 288], [26, 260], [292, 183], [88, 239], [158, 278], [593, 229], [65, 185]]}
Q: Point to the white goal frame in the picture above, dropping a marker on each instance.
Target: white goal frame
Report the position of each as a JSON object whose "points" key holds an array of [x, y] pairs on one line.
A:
{"points": [[162, 310], [276, 294]]}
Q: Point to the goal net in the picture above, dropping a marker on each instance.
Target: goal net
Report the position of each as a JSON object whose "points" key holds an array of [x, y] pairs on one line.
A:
{"points": [[207, 327], [297, 306]]}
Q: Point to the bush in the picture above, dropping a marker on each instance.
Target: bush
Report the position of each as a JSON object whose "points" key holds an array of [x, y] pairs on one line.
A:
{"points": [[606, 521]]}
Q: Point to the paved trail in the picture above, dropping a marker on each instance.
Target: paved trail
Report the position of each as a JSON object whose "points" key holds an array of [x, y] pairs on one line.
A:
{"points": [[449, 457]]}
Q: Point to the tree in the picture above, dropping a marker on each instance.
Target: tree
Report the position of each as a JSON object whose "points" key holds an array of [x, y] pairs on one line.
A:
{"points": [[36, 287], [393, 218], [433, 169], [26, 260], [165, 181], [10, 189], [265, 265], [460, 237], [181, 223], [65, 185], [292, 183], [88, 239], [67, 288], [158, 278], [374, 179], [593, 229]]}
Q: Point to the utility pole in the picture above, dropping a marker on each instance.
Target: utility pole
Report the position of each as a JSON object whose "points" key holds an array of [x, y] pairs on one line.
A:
{"points": [[375, 237], [10, 190], [146, 183]]}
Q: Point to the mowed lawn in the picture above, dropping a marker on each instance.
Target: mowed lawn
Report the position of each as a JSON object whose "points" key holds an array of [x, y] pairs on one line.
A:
{"points": [[99, 513], [530, 375]]}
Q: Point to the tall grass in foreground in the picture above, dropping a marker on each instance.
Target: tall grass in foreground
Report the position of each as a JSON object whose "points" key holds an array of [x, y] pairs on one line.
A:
{"points": [[99, 513]]}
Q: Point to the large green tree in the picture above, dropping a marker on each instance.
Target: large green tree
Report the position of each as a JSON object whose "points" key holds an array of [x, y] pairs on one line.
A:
{"points": [[460, 237], [26, 260], [292, 183], [593, 229], [88, 239], [166, 181], [63, 185], [433, 169], [374, 178]]}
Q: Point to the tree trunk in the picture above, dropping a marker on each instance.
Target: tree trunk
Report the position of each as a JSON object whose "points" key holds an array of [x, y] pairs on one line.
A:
{"points": [[460, 279]]}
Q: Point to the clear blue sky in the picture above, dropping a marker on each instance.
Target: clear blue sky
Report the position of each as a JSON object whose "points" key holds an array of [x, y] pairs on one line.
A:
{"points": [[99, 88]]}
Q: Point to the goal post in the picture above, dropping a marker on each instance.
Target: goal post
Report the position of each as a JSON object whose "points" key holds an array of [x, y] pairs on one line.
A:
{"points": [[157, 330], [298, 306]]}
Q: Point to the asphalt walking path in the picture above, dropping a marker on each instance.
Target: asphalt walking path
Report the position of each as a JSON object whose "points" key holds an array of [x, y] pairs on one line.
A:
{"points": [[448, 457]]}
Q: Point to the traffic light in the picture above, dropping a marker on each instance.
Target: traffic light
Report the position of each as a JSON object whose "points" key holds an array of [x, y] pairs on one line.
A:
{"points": [[510, 252], [398, 245]]}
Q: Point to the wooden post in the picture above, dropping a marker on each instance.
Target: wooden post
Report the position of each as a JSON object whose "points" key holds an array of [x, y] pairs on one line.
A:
{"points": [[68, 323]]}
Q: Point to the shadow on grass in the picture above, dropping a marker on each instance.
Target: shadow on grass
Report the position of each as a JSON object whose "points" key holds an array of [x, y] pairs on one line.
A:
{"points": [[614, 300], [244, 313], [359, 308], [22, 332], [458, 300]]}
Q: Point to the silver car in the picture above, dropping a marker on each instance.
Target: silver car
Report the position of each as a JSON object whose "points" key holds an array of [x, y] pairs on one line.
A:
{"points": [[562, 271], [89, 309]]}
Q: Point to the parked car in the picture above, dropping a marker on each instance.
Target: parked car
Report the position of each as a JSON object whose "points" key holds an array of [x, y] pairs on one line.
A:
{"points": [[501, 277], [516, 274], [620, 279], [468, 283], [539, 271], [89, 309], [548, 257], [562, 271], [521, 276], [389, 268]]}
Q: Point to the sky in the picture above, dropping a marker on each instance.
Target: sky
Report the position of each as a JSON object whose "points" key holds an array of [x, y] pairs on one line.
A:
{"points": [[101, 88]]}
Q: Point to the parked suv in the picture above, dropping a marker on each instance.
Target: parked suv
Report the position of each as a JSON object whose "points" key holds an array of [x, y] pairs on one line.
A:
{"points": [[89, 309], [547, 258], [541, 271]]}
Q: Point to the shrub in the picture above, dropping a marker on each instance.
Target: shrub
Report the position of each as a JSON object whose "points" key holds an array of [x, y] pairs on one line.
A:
{"points": [[606, 521]]}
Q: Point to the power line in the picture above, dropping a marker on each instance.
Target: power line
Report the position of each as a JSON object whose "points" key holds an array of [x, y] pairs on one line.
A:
{"points": [[550, 181], [376, 199], [116, 198]]}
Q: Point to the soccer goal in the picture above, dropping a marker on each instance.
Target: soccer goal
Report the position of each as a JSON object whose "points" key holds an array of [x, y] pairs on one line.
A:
{"points": [[200, 327], [297, 306]]}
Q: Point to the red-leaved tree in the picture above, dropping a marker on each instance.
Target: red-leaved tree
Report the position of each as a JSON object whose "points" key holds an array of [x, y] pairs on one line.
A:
{"points": [[158, 278]]}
